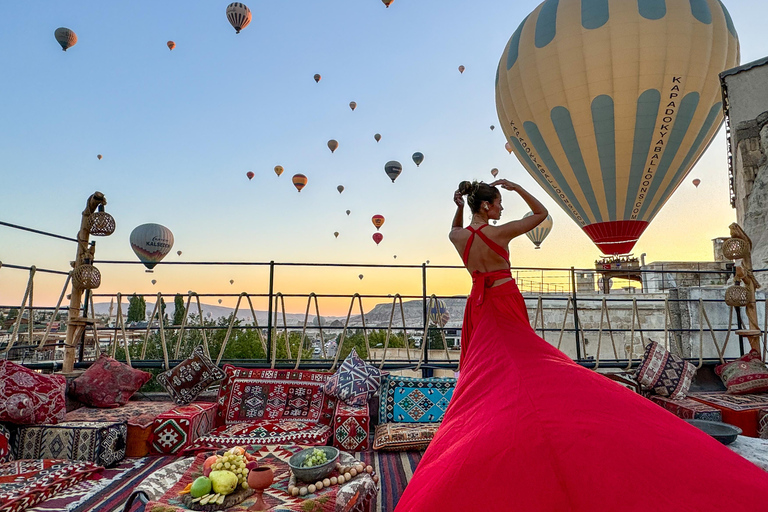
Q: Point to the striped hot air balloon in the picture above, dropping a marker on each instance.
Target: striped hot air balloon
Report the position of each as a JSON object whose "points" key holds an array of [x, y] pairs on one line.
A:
{"points": [[609, 103], [239, 16], [540, 232], [438, 313], [299, 181]]}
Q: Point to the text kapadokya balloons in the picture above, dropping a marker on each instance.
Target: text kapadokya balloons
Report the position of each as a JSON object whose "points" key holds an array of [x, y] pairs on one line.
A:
{"points": [[279, 170], [540, 232], [696, 182], [332, 145], [317, 77], [239, 16], [352, 105], [299, 181], [171, 45], [65, 37], [615, 135], [250, 175], [151, 242], [418, 157], [378, 237], [494, 172], [393, 168], [340, 188], [377, 137], [378, 221]]}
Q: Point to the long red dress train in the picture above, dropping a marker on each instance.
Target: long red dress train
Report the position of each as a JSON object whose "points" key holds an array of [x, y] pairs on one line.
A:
{"points": [[529, 430]]}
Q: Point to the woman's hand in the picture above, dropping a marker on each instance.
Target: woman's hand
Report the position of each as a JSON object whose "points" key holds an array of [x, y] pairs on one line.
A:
{"points": [[458, 199], [506, 185]]}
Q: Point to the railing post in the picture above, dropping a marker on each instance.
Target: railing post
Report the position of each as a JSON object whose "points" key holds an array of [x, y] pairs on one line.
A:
{"points": [[80, 356], [576, 327], [425, 372], [269, 309]]}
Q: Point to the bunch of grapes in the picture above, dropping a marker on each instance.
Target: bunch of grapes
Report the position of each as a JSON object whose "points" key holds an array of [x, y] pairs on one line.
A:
{"points": [[316, 458], [234, 463]]}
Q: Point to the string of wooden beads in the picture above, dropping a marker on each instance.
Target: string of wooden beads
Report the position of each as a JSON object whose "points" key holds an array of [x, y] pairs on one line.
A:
{"points": [[347, 473]]}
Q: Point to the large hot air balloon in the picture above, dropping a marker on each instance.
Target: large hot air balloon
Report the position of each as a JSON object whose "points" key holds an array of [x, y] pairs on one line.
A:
{"points": [[377, 137], [494, 172], [279, 170], [332, 145], [65, 37], [378, 237], [461, 69], [250, 175], [608, 104], [151, 242], [378, 221], [438, 313], [393, 169], [540, 232], [340, 188], [696, 182], [352, 105], [418, 157], [239, 16], [317, 77], [299, 180], [171, 45]]}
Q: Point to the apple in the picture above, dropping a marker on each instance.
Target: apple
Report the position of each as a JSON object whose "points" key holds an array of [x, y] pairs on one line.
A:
{"points": [[208, 464]]}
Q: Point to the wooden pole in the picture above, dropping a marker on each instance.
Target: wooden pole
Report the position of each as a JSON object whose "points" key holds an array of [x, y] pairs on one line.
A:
{"points": [[76, 323], [744, 273]]}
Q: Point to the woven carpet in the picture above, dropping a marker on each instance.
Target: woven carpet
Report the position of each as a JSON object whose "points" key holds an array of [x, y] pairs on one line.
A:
{"points": [[395, 470], [734, 402], [107, 491]]}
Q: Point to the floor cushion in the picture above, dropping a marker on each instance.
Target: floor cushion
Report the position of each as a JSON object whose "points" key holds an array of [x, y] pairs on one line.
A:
{"points": [[108, 383], [688, 408], [191, 377], [28, 397], [178, 428], [748, 374], [96, 441], [263, 433], [664, 373], [739, 410], [355, 382], [404, 436], [351, 427], [414, 400]]}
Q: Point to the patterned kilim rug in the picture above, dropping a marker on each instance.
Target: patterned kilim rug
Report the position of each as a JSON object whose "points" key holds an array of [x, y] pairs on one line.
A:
{"points": [[735, 402], [107, 491], [395, 470]]}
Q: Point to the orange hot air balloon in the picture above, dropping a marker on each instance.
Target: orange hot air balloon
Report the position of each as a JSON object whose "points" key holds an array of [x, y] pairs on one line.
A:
{"points": [[340, 188], [387, 2], [696, 182], [332, 145], [317, 77], [171, 45], [299, 181], [336, 234], [348, 212], [279, 170], [494, 172], [378, 221], [378, 237], [508, 147], [461, 69], [352, 105], [99, 157], [377, 137], [65, 37], [250, 175]]}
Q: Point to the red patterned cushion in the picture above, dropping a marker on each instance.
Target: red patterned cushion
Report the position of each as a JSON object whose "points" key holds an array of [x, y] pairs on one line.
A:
{"points": [[108, 383], [748, 374], [249, 395], [191, 377], [263, 433], [28, 397], [664, 373], [5, 445]]}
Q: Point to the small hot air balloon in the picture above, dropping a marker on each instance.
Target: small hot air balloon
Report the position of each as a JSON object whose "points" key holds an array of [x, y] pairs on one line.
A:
{"points": [[231, 281], [438, 313], [461, 69], [340, 188], [427, 262], [418, 157], [387, 2], [66, 37], [393, 169], [336, 234], [395, 256], [279, 170], [250, 175], [360, 276], [154, 281], [317, 77], [377, 137], [299, 180], [99, 157], [178, 253], [493, 127], [219, 301], [352, 105], [494, 172], [378, 221], [696, 182], [239, 16], [151, 242], [332, 145], [378, 237], [348, 212], [540, 232], [508, 147], [171, 45]]}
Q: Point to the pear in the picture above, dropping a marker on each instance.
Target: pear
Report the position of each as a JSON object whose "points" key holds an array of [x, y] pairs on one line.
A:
{"points": [[223, 482]]}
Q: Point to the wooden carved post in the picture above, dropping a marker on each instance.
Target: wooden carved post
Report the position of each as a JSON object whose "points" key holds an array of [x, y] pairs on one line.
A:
{"points": [[739, 246], [85, 276]]}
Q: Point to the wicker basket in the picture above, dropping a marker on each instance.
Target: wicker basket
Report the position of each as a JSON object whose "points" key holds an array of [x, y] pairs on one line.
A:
{"points": [[101, 224], [735, 248], [86, 277], [736, 296]]}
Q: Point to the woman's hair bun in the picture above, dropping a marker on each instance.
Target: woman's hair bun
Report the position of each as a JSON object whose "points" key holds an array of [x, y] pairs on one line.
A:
{"points": [[465, 188]]}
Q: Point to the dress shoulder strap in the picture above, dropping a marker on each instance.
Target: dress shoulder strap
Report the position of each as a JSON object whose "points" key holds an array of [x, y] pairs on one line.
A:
{"points": [[490, 243]]}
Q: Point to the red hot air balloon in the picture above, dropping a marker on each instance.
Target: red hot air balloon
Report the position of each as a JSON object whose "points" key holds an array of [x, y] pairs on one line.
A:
{"points": [[378, 221], [378, 237], [299, 181], [696, 182], [171, 45], [250, 175]]}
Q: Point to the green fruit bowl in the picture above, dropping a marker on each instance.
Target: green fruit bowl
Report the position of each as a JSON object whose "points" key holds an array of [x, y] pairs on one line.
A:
{"points": [[314, 473]]}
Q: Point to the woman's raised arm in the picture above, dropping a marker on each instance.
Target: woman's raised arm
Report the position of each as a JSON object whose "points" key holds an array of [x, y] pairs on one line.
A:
{"points": [[516, 228]]}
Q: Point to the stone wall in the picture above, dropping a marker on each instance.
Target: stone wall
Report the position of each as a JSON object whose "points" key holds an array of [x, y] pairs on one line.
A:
{"points": [[750, 167]]}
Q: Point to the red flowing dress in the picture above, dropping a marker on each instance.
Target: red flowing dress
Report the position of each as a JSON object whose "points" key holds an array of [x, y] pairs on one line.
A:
{"points": [[529, 430]]}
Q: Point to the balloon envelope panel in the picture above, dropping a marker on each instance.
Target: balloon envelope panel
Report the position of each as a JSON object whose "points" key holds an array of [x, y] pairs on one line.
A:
{"points": [[151, 242], [609, 103], [540, 232]]}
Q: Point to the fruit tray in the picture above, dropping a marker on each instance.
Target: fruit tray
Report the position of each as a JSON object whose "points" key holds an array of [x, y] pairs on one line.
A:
{"points": [[230, 500]]}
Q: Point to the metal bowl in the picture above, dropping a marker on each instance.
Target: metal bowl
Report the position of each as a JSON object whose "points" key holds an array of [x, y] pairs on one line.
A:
{"points": [[314, 473], [723, 432]]}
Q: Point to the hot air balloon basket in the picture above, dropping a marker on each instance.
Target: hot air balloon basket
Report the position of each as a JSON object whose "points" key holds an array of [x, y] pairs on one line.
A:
{"points": [[735, 248], [736, 296], [101, 224], [86, 277]]}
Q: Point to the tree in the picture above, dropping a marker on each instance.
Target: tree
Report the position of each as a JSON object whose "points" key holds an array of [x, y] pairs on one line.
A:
{"points": [[179, 312], [137, 309], [162, 311]]}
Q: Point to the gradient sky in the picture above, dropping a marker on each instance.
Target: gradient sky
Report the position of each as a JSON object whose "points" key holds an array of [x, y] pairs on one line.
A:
{"points": [[179, 130]]}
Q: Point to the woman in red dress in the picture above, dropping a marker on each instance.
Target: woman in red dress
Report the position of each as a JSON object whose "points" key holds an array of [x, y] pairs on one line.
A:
{"points": [[529, 430]]}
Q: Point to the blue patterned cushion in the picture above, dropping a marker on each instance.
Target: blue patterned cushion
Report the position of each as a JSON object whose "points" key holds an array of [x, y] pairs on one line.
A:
{"points": [[355, 382], [414, 400]]}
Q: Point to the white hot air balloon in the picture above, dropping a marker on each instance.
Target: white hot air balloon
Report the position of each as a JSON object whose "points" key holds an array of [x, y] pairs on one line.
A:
{"points": [[151, 242], [239, 16]]}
